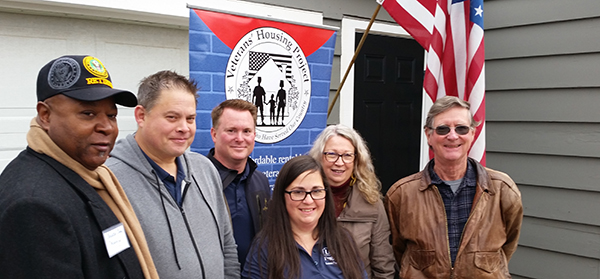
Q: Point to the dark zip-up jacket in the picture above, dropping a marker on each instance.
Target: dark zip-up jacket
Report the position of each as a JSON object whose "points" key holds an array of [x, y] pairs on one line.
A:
{"points": [[51, 223], [258, 191]]}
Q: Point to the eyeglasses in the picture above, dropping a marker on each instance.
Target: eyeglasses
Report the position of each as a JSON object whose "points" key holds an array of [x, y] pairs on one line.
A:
{"points": [[298, 195], [443, 130], [332, 157]]}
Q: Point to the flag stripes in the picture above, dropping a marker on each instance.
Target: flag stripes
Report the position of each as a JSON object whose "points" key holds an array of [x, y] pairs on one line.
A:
{"points": [[452, 33]]}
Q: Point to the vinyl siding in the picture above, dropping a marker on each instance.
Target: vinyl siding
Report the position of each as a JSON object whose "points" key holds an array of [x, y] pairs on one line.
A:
{"points": [[542, 97], [336, 77]]}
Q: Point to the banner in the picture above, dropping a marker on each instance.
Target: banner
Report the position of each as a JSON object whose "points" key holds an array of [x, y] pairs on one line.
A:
{"points": [[283, 68]]}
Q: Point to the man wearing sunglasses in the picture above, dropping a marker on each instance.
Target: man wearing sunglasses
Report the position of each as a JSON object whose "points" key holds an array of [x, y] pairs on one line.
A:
{"points": [[456, 218]]}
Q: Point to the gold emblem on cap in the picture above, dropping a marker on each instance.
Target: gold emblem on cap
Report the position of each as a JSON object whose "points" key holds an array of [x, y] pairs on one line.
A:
{"points": [[95, 67]]}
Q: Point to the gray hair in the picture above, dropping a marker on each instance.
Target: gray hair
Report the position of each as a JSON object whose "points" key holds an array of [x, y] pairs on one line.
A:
{"points": [[445, 103]]}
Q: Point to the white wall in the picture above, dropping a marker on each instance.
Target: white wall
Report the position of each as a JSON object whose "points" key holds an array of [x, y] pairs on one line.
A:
{"points": [[132, 38], [129, 52], [171, 12]]}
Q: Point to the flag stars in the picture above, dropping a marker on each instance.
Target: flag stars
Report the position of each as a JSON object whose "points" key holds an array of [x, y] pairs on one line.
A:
{"points": [[479, 11]]}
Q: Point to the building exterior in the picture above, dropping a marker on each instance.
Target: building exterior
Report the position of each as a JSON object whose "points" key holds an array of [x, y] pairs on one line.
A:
{"points": [[542, 65], [543, 89]]}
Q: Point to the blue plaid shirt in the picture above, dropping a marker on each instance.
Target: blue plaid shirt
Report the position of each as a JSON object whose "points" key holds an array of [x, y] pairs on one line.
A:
{"points": [[458, 205]]}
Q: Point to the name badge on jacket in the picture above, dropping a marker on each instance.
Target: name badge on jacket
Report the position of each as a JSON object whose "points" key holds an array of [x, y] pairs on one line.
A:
{"points": [[115, 239]]}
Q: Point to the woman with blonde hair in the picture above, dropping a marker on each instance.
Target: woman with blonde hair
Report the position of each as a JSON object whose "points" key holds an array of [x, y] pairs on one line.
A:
{"points": [[349, 169]]}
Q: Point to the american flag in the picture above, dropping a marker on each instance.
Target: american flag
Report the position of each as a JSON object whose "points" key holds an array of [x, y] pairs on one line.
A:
{"points": [[259, 59], [452, 33]]}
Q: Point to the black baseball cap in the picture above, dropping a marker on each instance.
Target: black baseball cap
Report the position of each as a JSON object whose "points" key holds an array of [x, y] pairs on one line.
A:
{"points": [[80, 77]]}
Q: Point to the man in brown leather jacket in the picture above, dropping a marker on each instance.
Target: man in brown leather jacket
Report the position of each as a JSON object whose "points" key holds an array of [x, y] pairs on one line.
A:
{"points": [[455, 218]]}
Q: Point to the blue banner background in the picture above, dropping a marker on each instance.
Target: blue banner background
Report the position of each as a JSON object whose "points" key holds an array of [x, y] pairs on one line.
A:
{"points": [[208, 61]]}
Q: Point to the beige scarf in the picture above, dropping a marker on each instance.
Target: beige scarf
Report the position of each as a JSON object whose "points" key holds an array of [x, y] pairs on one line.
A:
{"points": [[106, 185]]}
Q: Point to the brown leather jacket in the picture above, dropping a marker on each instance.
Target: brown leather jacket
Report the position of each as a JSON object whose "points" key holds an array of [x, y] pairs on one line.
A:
{"points": [[420, 232], [370, 229]]}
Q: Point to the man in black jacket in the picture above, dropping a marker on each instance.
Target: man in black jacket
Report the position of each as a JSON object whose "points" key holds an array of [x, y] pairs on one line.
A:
{"points": [[54, 219], [247, 190]]}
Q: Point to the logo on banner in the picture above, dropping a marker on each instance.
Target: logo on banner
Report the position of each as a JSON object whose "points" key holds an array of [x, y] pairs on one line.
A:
{"points": [[268, 68]]}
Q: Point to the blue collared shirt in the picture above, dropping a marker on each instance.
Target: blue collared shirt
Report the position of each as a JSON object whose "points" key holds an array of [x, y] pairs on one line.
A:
{"points": [[173, 186], [458, 205], [319, 264], [243, 227]]}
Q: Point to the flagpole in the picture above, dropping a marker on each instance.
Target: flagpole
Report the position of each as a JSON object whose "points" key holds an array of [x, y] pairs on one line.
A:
{"points": [[360, 44]]}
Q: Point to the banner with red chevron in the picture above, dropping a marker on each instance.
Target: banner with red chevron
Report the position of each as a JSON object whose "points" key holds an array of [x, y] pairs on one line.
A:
{"points": [[283, 68]]}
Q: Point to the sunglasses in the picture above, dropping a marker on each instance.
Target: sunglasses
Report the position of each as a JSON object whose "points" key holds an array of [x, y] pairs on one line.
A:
{"points": [[444, 130]]}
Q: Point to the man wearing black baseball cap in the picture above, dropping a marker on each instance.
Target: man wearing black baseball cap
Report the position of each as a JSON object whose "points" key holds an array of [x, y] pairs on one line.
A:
{"points": [[63, 214]]}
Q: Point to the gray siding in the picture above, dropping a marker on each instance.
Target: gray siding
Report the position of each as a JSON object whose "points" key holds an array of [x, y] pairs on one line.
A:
{"points": [[332, 9], [543, 81], [336, 77]]}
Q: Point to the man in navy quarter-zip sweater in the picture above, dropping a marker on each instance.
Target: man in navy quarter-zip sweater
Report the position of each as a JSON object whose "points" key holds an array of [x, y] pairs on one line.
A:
{"points": [[175, 193], [246, 189]]}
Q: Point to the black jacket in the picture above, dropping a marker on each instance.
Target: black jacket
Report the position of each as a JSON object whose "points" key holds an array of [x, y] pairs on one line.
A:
{"points": [[51, 223], [258, 191]]}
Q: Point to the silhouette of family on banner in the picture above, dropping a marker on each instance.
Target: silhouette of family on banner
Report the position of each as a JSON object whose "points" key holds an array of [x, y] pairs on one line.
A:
{"points": [[276, 104]]}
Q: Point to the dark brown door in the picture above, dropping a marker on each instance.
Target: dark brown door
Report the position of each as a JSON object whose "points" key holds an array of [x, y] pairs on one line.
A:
{"points": [[388, 86]]}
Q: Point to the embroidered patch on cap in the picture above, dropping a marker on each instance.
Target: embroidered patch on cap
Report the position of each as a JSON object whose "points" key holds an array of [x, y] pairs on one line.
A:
{"points": [[64, 73], [95, 67]]}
